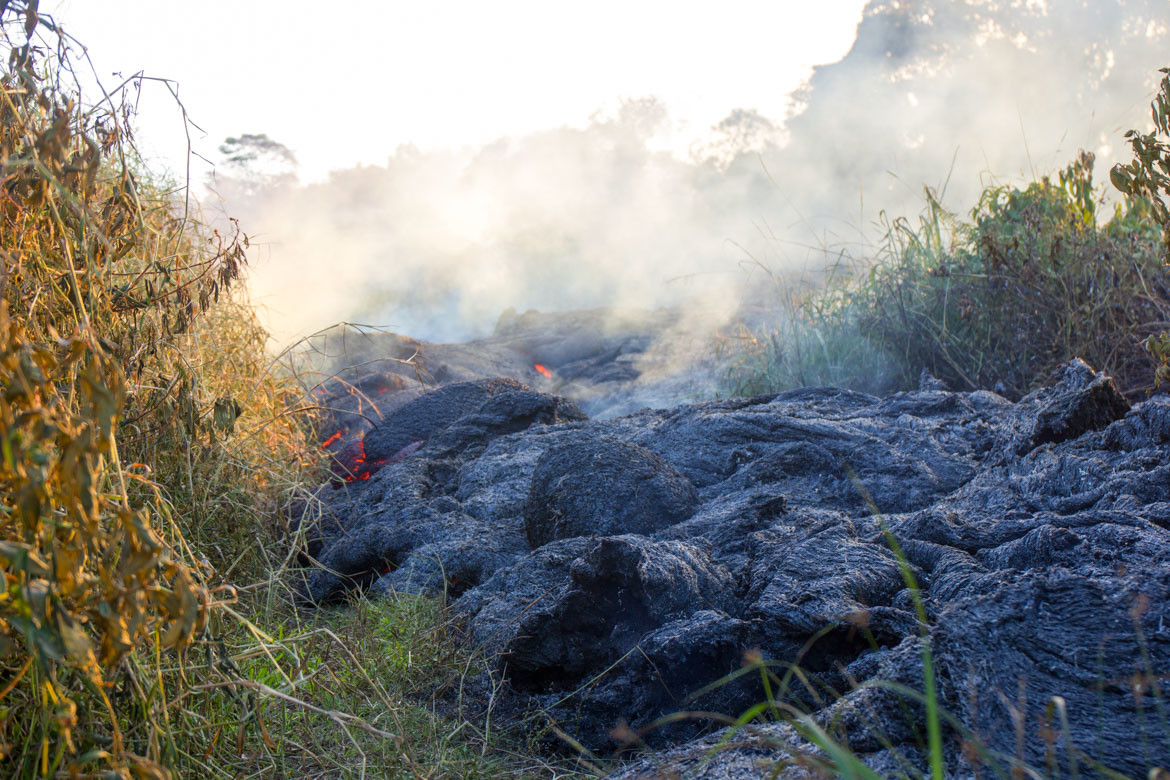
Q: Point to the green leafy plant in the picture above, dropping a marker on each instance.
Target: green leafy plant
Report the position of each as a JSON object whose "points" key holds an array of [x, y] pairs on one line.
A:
{"points": [[1147, 178], [999, 301]]}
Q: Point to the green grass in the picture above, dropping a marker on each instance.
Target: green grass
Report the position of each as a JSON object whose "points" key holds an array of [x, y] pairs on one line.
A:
{"points": [[369, 688]]}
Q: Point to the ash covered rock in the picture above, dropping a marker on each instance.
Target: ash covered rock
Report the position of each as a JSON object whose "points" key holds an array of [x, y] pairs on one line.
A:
{"points": [[422, 418], [615, 568], [601, 485], [605, 361], [403, 523], [618, 590], [1081, 400]]}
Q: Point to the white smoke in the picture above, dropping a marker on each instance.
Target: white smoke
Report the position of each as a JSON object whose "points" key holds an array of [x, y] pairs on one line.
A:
{"points": [[436, 244]]}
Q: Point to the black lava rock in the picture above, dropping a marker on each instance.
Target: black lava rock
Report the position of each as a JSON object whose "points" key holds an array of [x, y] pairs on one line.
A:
{"points": [[600, 485], [425, 416], [616, 568]]}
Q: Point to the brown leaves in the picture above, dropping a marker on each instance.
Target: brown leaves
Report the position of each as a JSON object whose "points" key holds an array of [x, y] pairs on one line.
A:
{"points": [[30, 17], [126, 363], [85, 571], [87, 251]]}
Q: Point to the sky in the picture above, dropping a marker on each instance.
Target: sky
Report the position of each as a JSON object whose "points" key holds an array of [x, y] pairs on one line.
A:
{"points": [[348, 86]]}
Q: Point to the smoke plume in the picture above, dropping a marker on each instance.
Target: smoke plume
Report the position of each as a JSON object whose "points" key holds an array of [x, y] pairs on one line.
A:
{"points": [[934, 92]]}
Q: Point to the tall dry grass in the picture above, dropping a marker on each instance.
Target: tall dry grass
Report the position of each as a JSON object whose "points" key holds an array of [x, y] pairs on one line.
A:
{"points": [[139, 418], [149, 623]]}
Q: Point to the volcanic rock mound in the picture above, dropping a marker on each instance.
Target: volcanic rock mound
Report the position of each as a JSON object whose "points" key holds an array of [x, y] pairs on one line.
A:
{"points": [[431, 413], [608, 361], [616, 568], [591, 486]]}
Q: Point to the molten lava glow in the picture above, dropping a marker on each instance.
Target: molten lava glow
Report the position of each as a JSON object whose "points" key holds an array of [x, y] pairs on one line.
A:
{"points": [[352, 466], [331, 439], [363, 469], [542, 370], [383, 390]]}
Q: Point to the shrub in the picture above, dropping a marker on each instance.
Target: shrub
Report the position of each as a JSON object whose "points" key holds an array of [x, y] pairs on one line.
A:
{"points": [[147, 441], [1032, 280], [1030, 283], [1146, 179], [126, 362]]}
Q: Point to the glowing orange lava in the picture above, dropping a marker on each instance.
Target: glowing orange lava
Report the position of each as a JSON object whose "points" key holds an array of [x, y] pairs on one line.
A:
{"points": [[363, 469], [331, 439], [542, 370]]}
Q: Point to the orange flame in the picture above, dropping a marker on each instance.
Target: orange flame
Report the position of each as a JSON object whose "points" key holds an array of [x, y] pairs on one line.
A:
{"points": [[542, 370]]}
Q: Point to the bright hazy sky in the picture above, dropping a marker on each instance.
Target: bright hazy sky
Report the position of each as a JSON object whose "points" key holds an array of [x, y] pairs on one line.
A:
{"points": [[350, 85]]}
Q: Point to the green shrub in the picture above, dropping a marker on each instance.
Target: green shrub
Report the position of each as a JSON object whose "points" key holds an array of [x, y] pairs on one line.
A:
{"points": [[1147, 179], [1030, 281]]}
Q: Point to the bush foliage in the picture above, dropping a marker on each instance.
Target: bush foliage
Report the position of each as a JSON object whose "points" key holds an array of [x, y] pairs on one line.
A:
{"points": [[1147, 178], [1032, 279], [148, 439], [125, 364]]}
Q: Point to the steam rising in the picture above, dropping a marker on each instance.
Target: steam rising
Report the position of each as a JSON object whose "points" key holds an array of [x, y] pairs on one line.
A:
{"points": [[437, 243]]}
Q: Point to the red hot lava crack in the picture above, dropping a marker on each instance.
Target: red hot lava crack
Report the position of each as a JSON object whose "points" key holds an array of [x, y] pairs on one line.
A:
{"points": [[359, 469]]}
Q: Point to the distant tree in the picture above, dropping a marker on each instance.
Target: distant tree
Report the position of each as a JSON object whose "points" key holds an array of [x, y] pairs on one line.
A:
{"points": [[252, 163], [741, 132], [251, 148]]}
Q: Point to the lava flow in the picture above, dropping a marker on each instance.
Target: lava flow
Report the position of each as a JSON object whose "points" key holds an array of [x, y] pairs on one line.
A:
{"points": [[543, 371], [362, 469], [325, 444]]}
